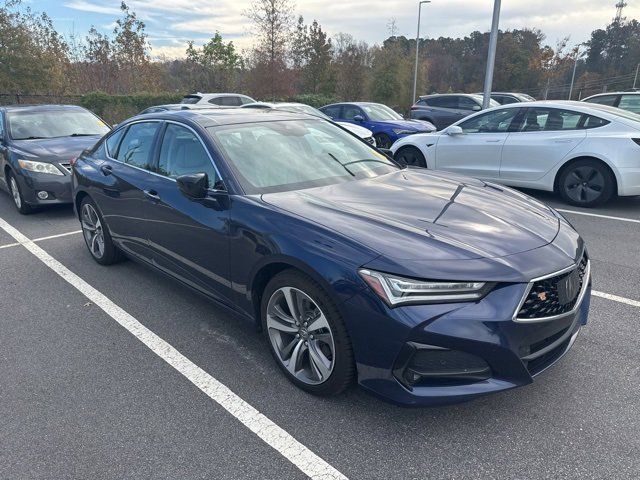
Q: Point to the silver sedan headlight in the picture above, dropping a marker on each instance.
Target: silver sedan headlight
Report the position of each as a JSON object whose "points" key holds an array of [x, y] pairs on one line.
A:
{"points": [[396, 290], [39, 167]]}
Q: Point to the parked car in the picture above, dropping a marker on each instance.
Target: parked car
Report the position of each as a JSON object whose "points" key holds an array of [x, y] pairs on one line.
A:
{"points": [[444, 109], [427, 287], [505, 98], [225, 100], [629, 101], [38, 143], [176, 106], [363, 133], [386, 124], [585, 152]]}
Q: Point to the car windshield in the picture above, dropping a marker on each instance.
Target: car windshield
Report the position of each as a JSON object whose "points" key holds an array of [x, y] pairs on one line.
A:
{"points": [[300, 108], [380, 113], [34, 124], [492, 102], [296, 154]]}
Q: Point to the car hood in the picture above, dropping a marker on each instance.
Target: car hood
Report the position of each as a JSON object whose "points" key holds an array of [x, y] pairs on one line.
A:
{"points": [[424, 215], [356, 129], [54, 149], [416, 125]]}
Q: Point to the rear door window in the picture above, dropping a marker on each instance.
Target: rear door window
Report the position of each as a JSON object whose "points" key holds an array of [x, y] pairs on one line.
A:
{"points": [[137, 144], [550, 119], [449, 101]]}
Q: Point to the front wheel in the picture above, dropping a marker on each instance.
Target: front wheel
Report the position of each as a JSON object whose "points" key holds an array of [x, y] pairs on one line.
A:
{"points": [[410, 156], [306, 334], [96, 234], [586, 183], [18, 200]]}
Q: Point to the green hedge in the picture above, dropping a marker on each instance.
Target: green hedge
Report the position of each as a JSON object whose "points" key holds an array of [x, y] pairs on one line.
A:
{"points": [[116, 108], [316, 100]]}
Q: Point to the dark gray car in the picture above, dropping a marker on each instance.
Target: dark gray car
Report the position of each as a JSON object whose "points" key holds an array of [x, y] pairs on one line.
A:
{"points": [[444, 109]]}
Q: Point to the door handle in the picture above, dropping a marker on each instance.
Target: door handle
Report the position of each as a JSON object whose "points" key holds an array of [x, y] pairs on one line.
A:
{"points": [[566, 140], [152, 195], [493, 141], [106, 170]]}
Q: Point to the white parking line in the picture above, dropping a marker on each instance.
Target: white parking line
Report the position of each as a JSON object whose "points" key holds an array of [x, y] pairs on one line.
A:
{"points": [[609, 217], [15, 244], [294, 451], [616, 298]]}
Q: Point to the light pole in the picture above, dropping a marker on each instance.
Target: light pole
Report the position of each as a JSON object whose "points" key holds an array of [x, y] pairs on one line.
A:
{"points": [[491, 56], [415, 73], [575, 66], [635, 80]]}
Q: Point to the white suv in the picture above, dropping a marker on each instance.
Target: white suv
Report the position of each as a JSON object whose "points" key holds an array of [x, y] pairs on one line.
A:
{"points": [[223, 100]]}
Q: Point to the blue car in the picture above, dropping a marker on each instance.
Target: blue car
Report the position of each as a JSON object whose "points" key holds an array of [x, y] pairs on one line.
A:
{"points": [[424, 287], [386, 124]]}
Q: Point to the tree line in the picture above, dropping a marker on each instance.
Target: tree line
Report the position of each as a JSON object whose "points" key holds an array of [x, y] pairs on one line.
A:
{"points": [[292, 58]]}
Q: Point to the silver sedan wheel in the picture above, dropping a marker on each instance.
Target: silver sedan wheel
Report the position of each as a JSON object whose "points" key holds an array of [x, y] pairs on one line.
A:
{"points": [[300, 335], [15, 192], [92, 231]]}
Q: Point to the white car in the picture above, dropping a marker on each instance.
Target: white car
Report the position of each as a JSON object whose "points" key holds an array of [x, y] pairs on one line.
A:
{"points": [[364, 133], [224, 100], [585, 152]]}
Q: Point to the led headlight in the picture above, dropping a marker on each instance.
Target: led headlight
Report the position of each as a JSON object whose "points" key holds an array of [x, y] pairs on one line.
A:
{"points": [[39, 167], [398, 290], [403, 131]]}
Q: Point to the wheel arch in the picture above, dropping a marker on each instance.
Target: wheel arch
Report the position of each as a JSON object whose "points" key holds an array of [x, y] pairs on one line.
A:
{"points": [[80, 195], [572, 160]]}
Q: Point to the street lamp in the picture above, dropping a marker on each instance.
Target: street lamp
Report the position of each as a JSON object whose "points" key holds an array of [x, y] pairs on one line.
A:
{"points": [[415, 73], [575, 66], [491, 56]]}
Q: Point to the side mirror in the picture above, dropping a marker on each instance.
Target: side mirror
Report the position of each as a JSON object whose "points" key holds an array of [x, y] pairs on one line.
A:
{"points": [[454, 130], [194, 185], [358, 118]]}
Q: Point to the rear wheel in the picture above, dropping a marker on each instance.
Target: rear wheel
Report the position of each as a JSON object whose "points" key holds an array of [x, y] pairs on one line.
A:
{"points": [[306, 334], [411, 156], [18, 200], [382, 140], [586, 183], [96, 234]]}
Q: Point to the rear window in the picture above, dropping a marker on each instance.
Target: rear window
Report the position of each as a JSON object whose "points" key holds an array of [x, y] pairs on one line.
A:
{"points": [[191, 99], [604, 100]]}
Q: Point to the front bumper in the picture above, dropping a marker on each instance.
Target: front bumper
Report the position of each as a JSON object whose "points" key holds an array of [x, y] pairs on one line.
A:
{"points": [[58, 187], [514, 352]]}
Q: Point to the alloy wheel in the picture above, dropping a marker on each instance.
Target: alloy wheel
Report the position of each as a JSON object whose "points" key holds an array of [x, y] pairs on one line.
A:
{"points": [[300, 335], [15, 193], [92, 230], [584, 184]]}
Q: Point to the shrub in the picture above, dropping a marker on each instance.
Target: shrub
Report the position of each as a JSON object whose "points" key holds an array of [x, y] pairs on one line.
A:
{"points": [[116, 108]]}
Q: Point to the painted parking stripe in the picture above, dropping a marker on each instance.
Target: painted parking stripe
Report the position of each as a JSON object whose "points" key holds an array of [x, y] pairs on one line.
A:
{"points": [[15, 244], [276, 437], [608, 217], [616, 298]]}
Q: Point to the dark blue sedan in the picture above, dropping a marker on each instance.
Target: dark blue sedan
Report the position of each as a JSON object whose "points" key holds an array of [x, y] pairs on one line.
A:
{"points": [[386, 124], [427, 288]]}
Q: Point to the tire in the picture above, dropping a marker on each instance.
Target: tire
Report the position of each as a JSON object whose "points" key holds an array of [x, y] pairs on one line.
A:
{"points": [[96, 234], [320, 329], [411, 156], [18, 200], [586, 183], [382, 140]]}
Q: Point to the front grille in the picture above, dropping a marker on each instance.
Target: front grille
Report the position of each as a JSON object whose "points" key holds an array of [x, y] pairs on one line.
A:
{"points": [[556, 295]]}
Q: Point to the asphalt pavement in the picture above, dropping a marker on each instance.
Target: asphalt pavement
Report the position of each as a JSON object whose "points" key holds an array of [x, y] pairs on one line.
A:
{"points": [[84, 394]]}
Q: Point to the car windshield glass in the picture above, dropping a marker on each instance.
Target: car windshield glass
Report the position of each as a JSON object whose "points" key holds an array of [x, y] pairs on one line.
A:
{"points": [[292, 155], [302, 109], [380, 113], [492, 102], [24, 125]]}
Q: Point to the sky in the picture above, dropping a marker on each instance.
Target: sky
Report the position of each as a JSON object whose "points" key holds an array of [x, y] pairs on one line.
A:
{"points": [[171, 23]]}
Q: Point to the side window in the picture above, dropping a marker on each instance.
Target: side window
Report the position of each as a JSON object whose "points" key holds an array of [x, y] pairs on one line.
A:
{"points": [[550, 119], [227, 101], [216, 100], [449, 101], [506, 100], [350, 112], [137, 143], [182, 153], [604, 100], [112, 142], [491, 122], [465, 103], [1, 125], [333, 111], [594, 122], [630, 103], [245, 100]]}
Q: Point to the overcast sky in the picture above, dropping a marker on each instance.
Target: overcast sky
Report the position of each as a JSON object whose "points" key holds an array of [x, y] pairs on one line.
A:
{"points": [[170, 23]]}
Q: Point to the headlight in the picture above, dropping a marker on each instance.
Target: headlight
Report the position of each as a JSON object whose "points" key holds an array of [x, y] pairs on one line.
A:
{"points": [[397, 290], [403, 131], [39, 167]]}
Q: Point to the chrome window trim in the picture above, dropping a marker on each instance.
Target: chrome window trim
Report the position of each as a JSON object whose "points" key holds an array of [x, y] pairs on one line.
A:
{"points": [[583, 291]]}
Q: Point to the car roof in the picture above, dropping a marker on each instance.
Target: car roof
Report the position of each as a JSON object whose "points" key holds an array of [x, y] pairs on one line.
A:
{"points": [[40, 107], [614, 93], [451, 95], [209, 117], [353, 103]]}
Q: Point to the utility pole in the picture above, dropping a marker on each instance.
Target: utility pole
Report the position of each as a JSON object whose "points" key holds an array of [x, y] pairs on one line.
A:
{"points": [[575, 66], [415, 73], [491, 56], [635, 80]]}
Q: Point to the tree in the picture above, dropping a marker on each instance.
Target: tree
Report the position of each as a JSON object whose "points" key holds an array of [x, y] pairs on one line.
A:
{"points": [[317, 72], [213, 67], [351, 67]]}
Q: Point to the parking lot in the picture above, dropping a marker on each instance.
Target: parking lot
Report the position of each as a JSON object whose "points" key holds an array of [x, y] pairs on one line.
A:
{"points": [[121, 373]]}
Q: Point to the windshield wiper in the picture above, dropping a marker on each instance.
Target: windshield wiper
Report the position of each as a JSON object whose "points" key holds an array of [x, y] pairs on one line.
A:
{"points": [[82, 135], [341, 164], [369, 160], [33, 137]]}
